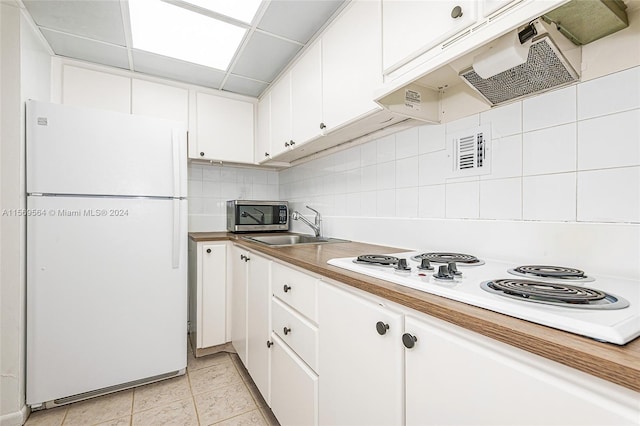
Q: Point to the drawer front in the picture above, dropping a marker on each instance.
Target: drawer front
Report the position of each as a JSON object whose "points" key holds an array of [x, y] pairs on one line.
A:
{"points": [[296, 289], [294, 388], [295, 331]]}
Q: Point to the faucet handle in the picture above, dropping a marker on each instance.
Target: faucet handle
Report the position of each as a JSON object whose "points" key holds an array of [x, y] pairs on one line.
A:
{"points": [[313, 210]]}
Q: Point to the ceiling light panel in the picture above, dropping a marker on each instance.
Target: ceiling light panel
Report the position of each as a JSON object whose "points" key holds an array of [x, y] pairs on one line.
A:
{"points": [[242, 10], [175, 32]]}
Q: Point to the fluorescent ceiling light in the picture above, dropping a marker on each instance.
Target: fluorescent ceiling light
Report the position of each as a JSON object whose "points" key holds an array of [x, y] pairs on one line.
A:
{"points": [[172, 31], [242, 10]]}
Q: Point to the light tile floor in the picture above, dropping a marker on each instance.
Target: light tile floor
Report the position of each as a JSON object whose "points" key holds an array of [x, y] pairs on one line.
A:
{"points": [[216, 390]]}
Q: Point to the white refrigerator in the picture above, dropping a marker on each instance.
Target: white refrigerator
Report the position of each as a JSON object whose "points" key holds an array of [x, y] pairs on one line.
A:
{"points": [[106, 251]]}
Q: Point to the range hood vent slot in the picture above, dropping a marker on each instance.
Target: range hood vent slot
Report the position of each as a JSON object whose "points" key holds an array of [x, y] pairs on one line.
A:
{"points": [[545, 68]]}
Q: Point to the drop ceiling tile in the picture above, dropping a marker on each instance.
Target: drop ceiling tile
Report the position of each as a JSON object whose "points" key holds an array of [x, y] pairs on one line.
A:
{"points": [[175, 69], [244, 86], [97, 19], [297, 20], [264, 57], [86, 50]]}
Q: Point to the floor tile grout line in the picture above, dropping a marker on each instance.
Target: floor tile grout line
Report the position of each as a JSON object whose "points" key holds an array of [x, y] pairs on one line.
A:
{"points": [[193, 398]]}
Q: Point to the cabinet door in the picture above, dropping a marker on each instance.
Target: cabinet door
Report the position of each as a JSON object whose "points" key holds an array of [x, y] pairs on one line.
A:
{"points": [[95, 89], [281, 116], [412, 27], [263, 132], [159, 100], [224, 129], [213, 296], [362, 371], [351, 63], [294, 388], [258, 326], [239, 303], [455, 376], [306, 96]]}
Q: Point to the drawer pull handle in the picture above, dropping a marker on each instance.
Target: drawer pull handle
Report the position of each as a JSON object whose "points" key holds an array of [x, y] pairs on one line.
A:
{"points": [[409, 340], [286, 330], [269, 343], [382, 328], [286, 288]]}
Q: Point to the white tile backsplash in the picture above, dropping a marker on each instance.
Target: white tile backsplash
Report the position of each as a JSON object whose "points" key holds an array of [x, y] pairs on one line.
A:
{"points": [[609, 195], [505, 120], [407, 143], [463, 200], [210, 186], [549, 109], [386, 203], [506, 157], [407, 172], [386, 173], [609, 141], [407, 202], [610, 94], [431, 203], [386, 149], [501, 199], [550, 150], [549, 197], [433, 168], [431, 137]]}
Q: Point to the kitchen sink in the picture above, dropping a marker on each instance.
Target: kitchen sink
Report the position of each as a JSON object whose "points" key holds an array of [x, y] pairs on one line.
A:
{"points": [[291, 240]]}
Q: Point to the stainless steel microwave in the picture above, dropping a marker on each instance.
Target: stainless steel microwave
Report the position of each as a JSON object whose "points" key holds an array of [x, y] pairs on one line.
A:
{"points": [[257, 216]]}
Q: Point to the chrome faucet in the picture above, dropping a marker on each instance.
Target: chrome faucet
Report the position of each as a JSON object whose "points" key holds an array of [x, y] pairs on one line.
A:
{"points": [[316, 226]]}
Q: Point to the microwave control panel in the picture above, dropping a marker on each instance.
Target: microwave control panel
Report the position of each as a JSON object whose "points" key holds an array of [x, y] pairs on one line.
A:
{"points": [[283, 215]]}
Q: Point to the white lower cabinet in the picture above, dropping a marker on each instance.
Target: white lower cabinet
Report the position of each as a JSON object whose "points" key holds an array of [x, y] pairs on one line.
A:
{"points": [[456, 377], [294, 387], [207, 293], [258, 324], [361, 360]]}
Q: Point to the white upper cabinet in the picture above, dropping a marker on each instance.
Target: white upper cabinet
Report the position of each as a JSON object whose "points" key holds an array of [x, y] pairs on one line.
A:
{"points": [[159, 100], [281, 116], [351, 64], [306, 96], [490, 6], [225, 129], [410, 28], [95, 89], [263, 130]]}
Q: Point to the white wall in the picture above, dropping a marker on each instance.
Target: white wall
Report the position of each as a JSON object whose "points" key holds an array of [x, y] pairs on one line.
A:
{"points": [[25, 75], [210, 186], [564, 185]]}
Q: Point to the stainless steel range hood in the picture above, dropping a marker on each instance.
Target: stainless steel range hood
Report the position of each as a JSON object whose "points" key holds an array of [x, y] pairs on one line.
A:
{"points": [[543, 66]]}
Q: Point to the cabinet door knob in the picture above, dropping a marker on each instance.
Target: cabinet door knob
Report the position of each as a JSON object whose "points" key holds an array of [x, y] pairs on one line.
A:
{"points": [[286, 330], [208, 250], [286, 288], [322, 126], [409, 340], [247, 258], [266, 154], [201, 154], [456, 12], [286, 144], [243, 257], [382, 328], [292, 143], [269, 343]]}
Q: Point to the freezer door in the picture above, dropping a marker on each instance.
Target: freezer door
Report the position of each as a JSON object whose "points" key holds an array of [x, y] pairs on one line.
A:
{"points": [[106, 293], [72, 150]]}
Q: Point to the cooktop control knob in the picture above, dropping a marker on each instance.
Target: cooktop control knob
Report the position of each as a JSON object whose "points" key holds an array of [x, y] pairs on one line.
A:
{"points": [[425, 265], [453, 268], [402, 265], [443, 273]]}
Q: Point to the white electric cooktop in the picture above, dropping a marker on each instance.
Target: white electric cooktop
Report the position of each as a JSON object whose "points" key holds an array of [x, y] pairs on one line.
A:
{"points": [[604, 308]]}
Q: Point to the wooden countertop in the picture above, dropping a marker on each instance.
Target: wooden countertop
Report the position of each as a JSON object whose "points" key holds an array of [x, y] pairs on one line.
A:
{"points": [[614, 363]]}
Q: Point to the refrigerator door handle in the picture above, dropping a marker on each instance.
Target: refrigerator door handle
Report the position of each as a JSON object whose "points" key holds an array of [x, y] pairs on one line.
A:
{"points": [[176, 244], [177, 169]]}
